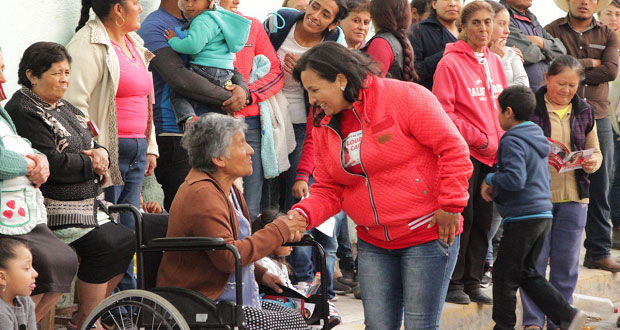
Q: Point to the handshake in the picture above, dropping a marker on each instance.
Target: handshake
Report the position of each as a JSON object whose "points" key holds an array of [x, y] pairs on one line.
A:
{"points": [[296, 224]]}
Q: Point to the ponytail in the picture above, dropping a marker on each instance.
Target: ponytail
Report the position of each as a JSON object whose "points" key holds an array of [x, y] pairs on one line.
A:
{"points": [[84, 14]]}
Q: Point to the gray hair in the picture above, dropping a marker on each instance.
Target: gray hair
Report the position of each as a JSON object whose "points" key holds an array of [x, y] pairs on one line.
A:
{"points": [[210, 137]]}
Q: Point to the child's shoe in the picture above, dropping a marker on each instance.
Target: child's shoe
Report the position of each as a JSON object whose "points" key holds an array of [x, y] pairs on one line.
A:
{"points": [[487, 277]]}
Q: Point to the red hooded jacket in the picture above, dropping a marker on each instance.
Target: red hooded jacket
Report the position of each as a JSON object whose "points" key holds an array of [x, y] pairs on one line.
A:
{"points": [[468, 89], [414, 159]]}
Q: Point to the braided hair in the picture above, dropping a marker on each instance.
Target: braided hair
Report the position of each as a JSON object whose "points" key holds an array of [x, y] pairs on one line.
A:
{"points": [[102, 9], [394, 16]]}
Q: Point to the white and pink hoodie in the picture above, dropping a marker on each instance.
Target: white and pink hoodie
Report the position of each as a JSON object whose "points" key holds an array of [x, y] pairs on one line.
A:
{"points": [[468, 87]]}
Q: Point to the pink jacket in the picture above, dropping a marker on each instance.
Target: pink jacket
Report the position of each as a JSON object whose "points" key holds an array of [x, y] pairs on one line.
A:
{"points": [[415, 162], [258, 44], [468, 89]]}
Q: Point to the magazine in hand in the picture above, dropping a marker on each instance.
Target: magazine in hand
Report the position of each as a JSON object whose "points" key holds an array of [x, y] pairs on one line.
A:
{"points": [[563, 160]]}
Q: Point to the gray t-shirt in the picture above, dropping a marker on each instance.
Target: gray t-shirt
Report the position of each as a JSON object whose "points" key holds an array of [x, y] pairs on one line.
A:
{"points": [[18, 317]]}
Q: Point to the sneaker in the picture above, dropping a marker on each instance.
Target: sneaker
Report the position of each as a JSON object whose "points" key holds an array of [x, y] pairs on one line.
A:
{"points": [[334, 316], [487, 279], [341, 288]]}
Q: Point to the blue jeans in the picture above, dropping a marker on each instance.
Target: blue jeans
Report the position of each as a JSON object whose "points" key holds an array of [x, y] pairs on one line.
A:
{"points": [[184, 107], [132, 164], [496, 222], [598, 227], [412, 281], [561, 252], [255, 187], [287, 179], [614, 192], [344, 251]]}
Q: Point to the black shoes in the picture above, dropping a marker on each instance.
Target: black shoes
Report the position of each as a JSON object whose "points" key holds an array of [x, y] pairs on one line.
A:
{"points": [[476, 295], [464, 298], [458, 297]]}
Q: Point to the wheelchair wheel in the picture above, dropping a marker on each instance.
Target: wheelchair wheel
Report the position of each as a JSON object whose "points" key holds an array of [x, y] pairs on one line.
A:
{"points": [[147, 310]]}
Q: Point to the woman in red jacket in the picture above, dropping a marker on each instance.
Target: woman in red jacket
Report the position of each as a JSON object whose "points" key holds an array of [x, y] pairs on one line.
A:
{"points": [[467, 82], [404, 182]]}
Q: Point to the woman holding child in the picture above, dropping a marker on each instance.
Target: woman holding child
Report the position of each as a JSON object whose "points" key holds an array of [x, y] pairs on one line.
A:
{"points": [[566, 118], [394, 128]]}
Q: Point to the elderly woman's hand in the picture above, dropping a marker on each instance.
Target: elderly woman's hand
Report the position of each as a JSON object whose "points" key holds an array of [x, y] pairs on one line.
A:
{"points": [[38, 170], [448, 225], [297, 225], [272, 281], [99, 158]]}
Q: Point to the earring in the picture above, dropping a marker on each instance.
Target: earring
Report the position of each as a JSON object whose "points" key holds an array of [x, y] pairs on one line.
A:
{"points": [[4, 288], [342, 88], [116, 21]]}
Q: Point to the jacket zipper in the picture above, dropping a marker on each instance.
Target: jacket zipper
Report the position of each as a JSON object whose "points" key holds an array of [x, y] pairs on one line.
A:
{"points": [[365, 176], [491, 93]]}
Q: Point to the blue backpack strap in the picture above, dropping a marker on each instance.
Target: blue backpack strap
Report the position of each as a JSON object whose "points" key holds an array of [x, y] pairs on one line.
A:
{"points": [[279, 24]]}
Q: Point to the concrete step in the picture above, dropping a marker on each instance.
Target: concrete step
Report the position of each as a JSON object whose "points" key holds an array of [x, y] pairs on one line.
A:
{"points": [[591, 282]]}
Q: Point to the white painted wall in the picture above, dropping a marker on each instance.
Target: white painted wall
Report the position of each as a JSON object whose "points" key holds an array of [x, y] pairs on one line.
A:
{"points": [[23, 22]]}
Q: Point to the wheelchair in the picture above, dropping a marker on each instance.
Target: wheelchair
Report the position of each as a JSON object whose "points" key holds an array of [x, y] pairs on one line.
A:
{"points": [[172, 308]]}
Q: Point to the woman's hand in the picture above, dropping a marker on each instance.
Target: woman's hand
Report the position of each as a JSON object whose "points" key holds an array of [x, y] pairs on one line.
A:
{"points": [[169, 34], [486, 191], [589, 164], [290, 60], [296, 224], [272, 281], [498, 47], [448, 225], [237, 101], [38, 173], [99, 158], [151, 163], [300, 189]]}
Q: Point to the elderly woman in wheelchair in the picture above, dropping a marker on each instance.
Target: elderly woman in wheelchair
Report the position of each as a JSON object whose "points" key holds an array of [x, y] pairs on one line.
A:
{"points": [[209, 205]]}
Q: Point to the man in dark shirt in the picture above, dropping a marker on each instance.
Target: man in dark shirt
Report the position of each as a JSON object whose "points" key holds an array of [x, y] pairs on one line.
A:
{"points": [[537, 45], [170, 73], [596, 47]]}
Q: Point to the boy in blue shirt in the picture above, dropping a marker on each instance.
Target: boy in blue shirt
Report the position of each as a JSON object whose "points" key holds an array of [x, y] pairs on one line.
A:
{"points": [[521, 187]]}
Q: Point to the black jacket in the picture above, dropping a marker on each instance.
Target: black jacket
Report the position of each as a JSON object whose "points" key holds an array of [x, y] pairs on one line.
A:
{"points": [[428, 40]]}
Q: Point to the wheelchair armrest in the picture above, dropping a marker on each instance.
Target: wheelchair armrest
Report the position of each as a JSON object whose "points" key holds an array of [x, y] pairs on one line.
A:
{"points": [[185, 243], [306, 240]]}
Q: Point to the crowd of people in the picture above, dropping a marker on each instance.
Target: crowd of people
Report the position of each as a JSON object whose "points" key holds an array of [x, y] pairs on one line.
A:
{"points": [[432, 136]]}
